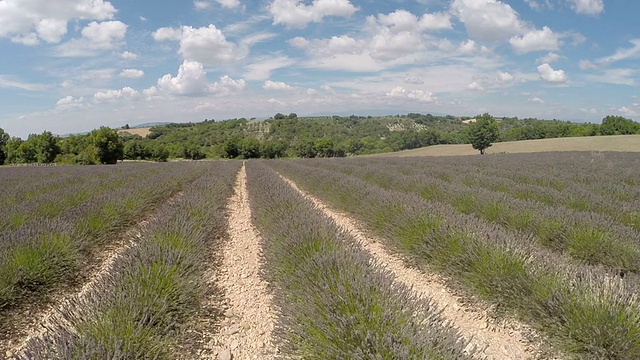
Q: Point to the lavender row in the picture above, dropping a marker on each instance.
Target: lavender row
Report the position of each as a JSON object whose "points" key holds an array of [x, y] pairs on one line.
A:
{"points": [[139, 309], [585, 311], [44, 253], [334, 301], [586, 236]]}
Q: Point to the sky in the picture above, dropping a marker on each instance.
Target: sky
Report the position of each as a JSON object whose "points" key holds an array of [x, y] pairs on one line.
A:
{"points": [[75, 65]]}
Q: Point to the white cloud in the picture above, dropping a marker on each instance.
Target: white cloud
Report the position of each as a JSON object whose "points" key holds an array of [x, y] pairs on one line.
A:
{"points": [[623, 54], [548, 74], [126, 93], [536, 100], [621, 76], [201, 5], [276, 85], [628, 111], [410, 79], [488, 19], [6, 82], [549, 58], [132, 73], [504, 77], [69, 102], [296, 14], [402, 20], [228, 86], [475, 86], [262, 68], [206, 45], [535, 40], [587, 65], [28, 22], [191, 80], [96, 37], [129, 55], [590, 7], [230, 4], [422, 96]]}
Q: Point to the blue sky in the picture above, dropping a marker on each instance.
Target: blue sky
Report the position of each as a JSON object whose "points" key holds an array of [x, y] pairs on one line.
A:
{"points": [[74, 65]]}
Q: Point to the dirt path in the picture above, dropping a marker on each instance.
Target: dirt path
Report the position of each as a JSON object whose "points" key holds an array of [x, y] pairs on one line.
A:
{"points": [[246, 331], [36, 324], [499, 342]]}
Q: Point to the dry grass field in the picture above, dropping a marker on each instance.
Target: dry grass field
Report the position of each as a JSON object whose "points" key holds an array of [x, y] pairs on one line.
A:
{"points": [[140, 131], [595, 143]]}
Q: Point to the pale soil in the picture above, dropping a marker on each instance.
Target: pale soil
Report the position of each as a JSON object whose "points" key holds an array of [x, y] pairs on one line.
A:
{"points": [[139, 131], [591, 143], [35, 323], [246, 331], [504, 341]]}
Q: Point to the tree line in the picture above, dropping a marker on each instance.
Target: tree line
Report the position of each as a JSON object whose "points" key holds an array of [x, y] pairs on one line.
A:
{"points": [[291, 136]]}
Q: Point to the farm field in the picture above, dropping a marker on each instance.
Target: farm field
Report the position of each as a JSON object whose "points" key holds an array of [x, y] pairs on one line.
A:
{"points": [[136, 131], [513, 256], [621, 143]]}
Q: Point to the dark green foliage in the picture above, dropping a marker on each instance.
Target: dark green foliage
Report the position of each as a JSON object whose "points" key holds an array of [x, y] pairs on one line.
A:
{"points": [[483, 132], [4, 138], [109, 145], [618, 125]]}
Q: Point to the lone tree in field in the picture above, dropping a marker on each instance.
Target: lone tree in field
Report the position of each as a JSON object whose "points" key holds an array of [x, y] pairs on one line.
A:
{"points": [[483, 132]]}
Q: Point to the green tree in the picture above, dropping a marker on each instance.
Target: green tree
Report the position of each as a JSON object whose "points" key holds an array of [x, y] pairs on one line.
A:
{"points": [[618, 125], [45, 146], [483, 132], [4, 139], [109, 144]]}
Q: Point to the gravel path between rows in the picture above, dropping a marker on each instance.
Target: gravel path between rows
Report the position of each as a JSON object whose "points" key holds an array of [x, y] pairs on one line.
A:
{"points": [[246, 331], [498, 342], [106, 258]]}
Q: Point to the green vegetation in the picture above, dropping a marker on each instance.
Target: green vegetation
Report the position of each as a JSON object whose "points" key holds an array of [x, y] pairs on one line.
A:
{"points": [[292, 136], [483, 132], [335, 303], [566, 299]]}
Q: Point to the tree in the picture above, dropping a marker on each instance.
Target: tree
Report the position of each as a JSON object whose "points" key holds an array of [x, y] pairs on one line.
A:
{"points": [[617, 125], [483, 132], [45, 146], [4, 139], [109, 144]]}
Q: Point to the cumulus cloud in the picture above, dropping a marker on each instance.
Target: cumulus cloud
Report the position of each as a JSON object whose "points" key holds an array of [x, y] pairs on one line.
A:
{"points": [[124, 93], [590, 7], [536, 100], [535, 40], [475, 86], [549, 58], [276, 85], [127, 55], [296, 14], [587, 65], [228, 86], [488, 19], [29, 22], [132, 73], [192, 81], [402, 20], [206, 45], [96, 37], [69, 102], [548, 74], [419, 95]]}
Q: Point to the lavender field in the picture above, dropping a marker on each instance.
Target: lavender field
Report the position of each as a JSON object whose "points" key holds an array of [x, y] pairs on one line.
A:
{"points": [[496, 257]]}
